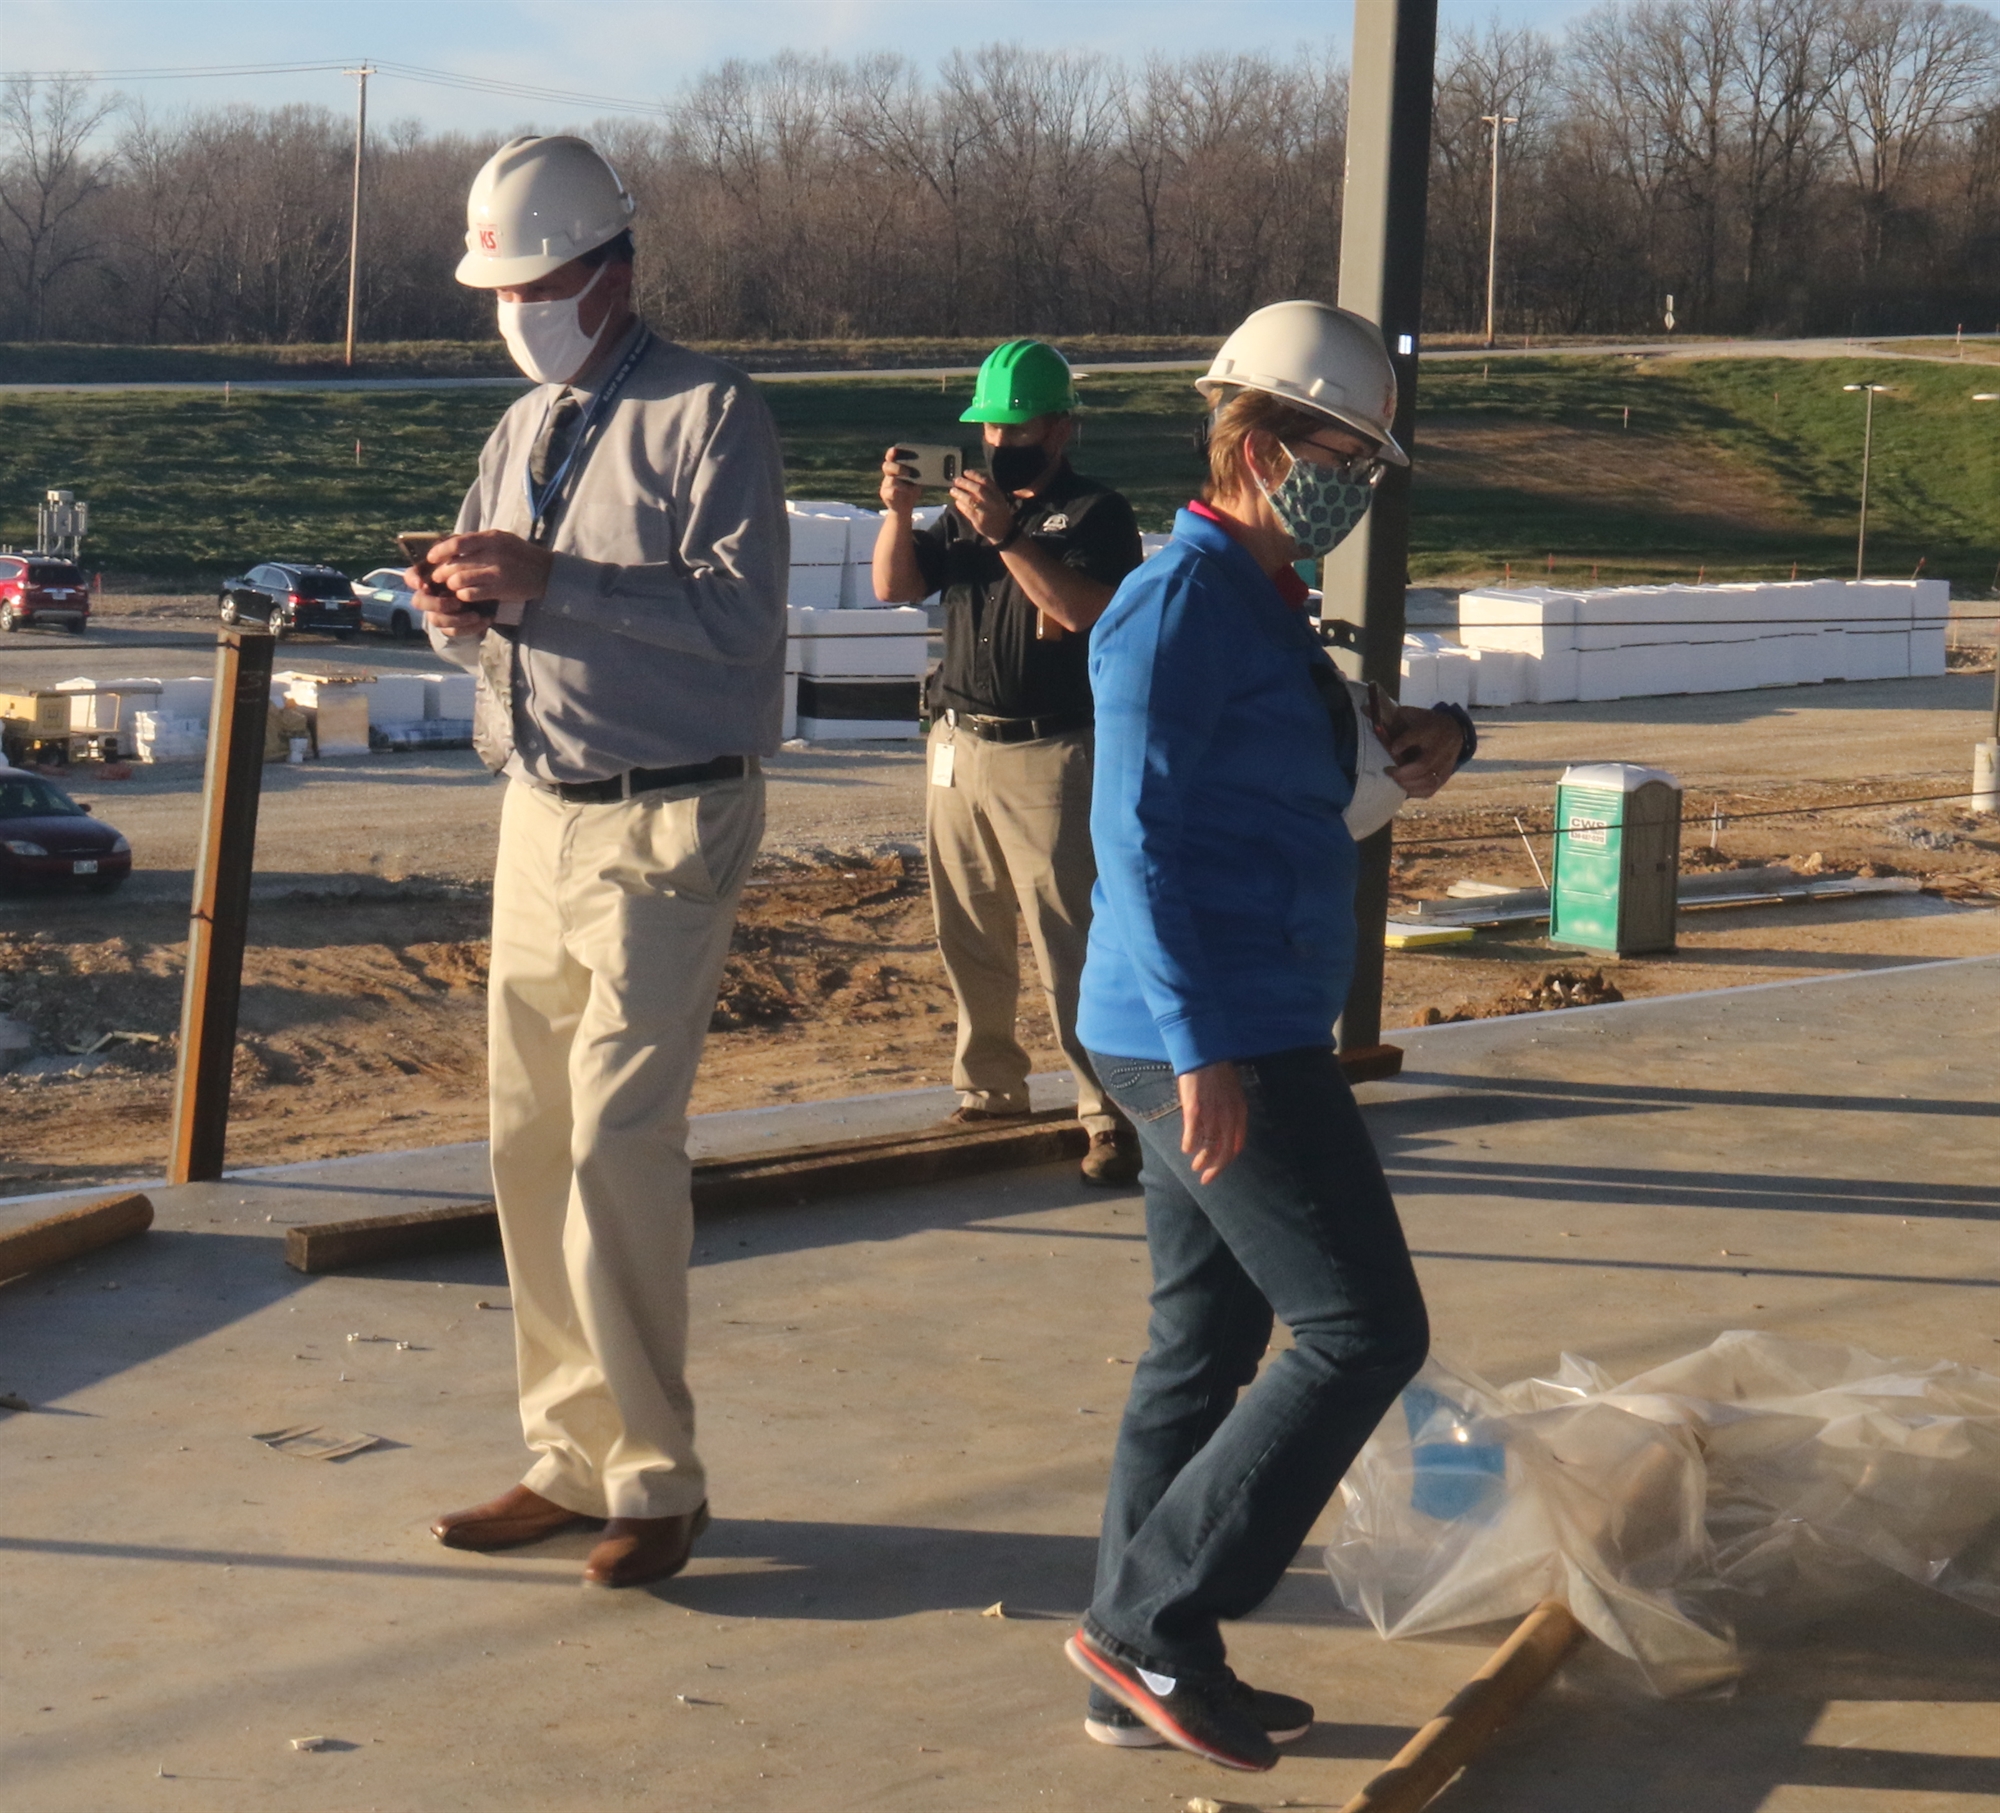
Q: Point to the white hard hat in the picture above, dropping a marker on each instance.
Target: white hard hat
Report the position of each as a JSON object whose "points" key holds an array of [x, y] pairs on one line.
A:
{"points": [[536, 204], [1317, 356]]}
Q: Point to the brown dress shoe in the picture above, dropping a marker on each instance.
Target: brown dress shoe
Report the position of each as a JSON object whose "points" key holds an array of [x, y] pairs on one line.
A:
{"points": [[1113, 1158], [983, 1117], [515, 1517], [639, 1550]]}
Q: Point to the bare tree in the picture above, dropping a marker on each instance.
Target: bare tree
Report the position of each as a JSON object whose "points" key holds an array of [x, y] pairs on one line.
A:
{"points": [[1492, 74], [1772, 163], [1913, 72], [49, 175]]}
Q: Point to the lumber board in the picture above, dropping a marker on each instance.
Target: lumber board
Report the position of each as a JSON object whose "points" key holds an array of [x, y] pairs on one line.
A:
{"points": [[775, 1180], [74, 1231], [1372, 1063], [788, 1179]]}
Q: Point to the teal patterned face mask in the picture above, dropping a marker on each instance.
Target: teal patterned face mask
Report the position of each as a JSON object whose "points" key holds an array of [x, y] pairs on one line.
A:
{"points": [[1319, 506]]}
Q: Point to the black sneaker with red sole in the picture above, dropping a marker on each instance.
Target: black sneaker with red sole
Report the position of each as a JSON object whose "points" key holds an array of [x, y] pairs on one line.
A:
{"points": [[1206, 1716], [1283, 1718]]}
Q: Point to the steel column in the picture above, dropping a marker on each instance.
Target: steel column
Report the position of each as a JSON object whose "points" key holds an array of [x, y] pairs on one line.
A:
{"points": [[219, 922], [1382, 277]]}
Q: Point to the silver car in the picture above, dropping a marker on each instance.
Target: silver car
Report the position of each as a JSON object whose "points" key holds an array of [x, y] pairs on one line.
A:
{"points": [[388, 604]]}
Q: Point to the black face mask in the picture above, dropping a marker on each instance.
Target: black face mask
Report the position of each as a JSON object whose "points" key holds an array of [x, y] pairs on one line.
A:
{"points": [[1016, 468]]}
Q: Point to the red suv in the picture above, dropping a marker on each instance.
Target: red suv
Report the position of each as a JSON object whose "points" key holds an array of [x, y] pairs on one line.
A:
{"points": [[38, 588]]}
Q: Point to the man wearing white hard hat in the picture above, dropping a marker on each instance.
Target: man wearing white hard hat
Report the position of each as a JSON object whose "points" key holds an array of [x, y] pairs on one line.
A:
{"points": [[1235, 770], [617, 582]]}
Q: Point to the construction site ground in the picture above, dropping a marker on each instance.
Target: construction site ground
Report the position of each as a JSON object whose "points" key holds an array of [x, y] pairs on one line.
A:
{"points": [[363, 1002], [908, 1403]]}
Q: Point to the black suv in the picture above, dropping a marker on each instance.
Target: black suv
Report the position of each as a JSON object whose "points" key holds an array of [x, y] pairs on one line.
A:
{"points": [[289, 597]]}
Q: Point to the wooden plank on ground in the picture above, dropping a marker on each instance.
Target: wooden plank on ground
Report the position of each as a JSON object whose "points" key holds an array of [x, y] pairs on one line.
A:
{"points": [[779, 1180], [786, 1179], [73, 1232]]}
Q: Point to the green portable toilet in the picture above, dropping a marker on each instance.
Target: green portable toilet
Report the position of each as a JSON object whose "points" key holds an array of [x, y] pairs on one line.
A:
{"points": [[1618, 859]]}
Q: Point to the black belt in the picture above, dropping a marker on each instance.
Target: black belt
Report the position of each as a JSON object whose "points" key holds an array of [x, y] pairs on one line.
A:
{"points": [[648, 780], [1014, 730]]}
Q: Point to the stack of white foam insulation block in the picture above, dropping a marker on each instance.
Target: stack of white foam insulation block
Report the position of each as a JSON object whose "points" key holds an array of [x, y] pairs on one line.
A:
{"points": [[150, 719], [1534, 645], [854, 667], [159, 736], [167, 720], [434, 711], [833, 555]]}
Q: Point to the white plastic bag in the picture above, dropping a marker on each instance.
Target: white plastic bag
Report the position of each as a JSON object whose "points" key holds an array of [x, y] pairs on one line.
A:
{"points": [[1640, 1505]]}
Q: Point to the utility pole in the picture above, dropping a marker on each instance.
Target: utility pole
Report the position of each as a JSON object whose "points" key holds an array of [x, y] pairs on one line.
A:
{"points": [[1867, 450], [1382, 278], [1496, 121], [354, 221]]}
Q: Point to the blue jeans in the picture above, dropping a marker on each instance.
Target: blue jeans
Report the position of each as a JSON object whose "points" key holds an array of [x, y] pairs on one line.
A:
{"points": [[1212, 1492]]}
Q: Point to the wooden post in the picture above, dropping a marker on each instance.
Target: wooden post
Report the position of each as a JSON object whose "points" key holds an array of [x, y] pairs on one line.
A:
{"points": [[219, 921]]}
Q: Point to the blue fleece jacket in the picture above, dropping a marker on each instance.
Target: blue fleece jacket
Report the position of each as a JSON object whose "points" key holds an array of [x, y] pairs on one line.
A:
{"points": [[1224, 909]]}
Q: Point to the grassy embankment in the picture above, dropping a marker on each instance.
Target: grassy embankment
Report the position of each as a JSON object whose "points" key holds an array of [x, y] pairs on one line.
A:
{"points": [[1740, 466]]}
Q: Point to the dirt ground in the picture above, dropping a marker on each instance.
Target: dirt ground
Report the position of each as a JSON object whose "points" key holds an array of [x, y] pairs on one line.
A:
{"points": [[358, 1036], [363, 1012]]}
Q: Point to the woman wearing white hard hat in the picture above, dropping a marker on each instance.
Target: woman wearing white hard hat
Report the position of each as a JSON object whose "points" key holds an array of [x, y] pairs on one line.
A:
{"points": [[1232, 766]]}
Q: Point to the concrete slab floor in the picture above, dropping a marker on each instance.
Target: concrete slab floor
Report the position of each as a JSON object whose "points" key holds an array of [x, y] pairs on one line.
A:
{"points": [[908, 1404]]}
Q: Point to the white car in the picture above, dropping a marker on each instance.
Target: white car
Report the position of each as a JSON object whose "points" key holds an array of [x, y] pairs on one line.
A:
{"points": [[388, 604]]}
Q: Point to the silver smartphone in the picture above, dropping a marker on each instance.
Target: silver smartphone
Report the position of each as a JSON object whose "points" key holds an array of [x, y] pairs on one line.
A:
{"points": [[930, 462]]}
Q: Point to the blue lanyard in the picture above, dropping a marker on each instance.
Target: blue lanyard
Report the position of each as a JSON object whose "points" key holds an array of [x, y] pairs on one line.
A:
{"points": [[539, 498]]}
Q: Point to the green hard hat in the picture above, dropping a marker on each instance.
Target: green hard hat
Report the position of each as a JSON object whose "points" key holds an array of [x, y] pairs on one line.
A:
{"points": [[1019, 381]]}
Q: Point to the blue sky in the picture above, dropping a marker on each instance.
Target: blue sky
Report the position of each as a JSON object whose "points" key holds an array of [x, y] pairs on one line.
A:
{"points": [[635, 49]]}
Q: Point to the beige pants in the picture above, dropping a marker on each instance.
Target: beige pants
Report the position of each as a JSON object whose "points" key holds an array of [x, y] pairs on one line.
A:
{"points": [[1010, 836], [610, 927]]}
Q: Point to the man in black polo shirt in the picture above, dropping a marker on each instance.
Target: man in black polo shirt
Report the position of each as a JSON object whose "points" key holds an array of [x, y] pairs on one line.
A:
{"points": [[1027, 556]]}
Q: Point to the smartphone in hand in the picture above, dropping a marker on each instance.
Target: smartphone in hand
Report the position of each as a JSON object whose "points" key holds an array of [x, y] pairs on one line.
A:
{"points": [[929, 462], [416, 545]]}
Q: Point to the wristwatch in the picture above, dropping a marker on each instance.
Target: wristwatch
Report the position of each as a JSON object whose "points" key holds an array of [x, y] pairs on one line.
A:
{"points": [[1380, 705]]}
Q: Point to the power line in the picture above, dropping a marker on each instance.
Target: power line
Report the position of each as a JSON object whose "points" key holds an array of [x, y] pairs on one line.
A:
{"points": [[408, 72]]}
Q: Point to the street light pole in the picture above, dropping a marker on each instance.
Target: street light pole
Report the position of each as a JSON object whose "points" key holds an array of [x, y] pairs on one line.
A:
{"points": [[354, 220], [1867, 451], [1496, 121]]}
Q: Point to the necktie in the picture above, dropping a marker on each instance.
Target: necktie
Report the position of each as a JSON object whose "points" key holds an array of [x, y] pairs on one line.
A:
{"points": [[552, 446], [493, 717]]}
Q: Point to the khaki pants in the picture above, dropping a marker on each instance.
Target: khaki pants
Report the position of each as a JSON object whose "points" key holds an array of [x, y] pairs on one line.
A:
{"points": [[610, 927], [1011, 836]]}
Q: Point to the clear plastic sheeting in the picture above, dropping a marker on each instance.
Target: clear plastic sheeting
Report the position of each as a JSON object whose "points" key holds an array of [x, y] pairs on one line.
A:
{"points": [[1758, 1465]]}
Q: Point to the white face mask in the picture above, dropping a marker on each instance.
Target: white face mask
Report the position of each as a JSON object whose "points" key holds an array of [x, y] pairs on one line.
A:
{"points": [[546, 339]]}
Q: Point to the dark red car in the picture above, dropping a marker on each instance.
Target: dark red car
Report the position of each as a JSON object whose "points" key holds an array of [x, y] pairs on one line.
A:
{"points": [[47, 839], [40, 589]]}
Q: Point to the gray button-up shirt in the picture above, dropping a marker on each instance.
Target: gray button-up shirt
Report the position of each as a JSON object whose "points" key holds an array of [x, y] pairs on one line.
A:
{"points": [[661, 638]]}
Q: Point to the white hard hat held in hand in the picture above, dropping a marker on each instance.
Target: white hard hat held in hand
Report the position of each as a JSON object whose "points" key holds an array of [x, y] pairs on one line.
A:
{"points": [[536, 204], [1313, 354]]}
